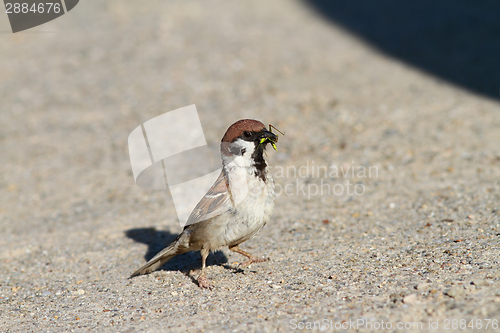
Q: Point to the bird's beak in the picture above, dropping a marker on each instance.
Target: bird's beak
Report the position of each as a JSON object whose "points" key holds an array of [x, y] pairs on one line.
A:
{"points": [[269, 136]]}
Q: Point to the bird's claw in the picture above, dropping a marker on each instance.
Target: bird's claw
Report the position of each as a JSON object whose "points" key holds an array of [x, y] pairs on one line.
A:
{"points": [[252, 260], [204, 283]]}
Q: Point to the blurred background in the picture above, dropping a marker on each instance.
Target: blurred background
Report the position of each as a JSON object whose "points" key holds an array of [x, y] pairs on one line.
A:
{"points": [[409, 87]]}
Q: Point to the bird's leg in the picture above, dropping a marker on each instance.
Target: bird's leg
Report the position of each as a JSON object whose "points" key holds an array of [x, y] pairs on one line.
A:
{"points": [[203, 282], [251, 257]]}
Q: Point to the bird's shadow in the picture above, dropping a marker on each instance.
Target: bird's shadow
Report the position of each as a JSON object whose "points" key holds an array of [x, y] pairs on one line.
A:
{"points": [[157, 240]]}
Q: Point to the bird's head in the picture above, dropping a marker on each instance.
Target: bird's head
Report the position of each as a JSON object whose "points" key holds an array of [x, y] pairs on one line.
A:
{"points": [[247, 137]]}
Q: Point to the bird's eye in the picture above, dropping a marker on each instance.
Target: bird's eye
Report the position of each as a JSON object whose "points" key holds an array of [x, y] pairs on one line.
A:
{"points": [[247, 134]]}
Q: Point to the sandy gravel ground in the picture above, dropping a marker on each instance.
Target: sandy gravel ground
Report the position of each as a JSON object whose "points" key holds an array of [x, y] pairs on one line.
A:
{"points": [[417, 243]]}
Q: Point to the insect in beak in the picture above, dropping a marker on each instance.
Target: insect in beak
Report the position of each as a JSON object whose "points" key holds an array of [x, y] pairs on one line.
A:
{"points": [[272, 138]]}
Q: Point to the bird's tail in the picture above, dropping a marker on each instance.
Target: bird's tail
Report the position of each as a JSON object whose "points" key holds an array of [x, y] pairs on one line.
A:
{"points": [[175, 248]]}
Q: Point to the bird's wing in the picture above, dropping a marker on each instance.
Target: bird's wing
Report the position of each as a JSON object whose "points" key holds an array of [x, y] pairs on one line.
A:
{"points": [[215, 202]]}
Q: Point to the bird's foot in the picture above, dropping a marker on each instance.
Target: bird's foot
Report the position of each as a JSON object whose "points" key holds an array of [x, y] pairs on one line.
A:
{"points": [[252, 260], [204, 283]]}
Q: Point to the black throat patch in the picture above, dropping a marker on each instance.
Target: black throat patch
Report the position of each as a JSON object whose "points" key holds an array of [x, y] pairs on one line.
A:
{"points": [[259, 162]]}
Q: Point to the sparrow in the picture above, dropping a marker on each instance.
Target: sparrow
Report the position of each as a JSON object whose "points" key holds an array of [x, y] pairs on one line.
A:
{"points": [[235, 208]]}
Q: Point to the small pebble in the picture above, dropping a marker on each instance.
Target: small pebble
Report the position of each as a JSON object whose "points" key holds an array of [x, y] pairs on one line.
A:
{"points": [[456, 291], [409, 299]]}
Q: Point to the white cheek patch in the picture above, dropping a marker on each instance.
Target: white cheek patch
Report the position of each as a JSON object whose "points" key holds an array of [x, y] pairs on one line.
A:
{"points": [[238, 167], [242, 153]]}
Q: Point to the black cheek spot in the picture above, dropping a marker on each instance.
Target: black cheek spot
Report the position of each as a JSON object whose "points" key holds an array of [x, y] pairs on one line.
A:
{"points": [[237, 151]]}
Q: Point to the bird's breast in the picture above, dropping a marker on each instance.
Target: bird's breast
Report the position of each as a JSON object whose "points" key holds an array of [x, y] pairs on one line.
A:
{"points": [[252, 213], [247, 217]]}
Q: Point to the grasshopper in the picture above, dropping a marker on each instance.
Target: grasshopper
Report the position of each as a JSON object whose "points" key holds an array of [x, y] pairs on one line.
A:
{"points": [[273, 143]]}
